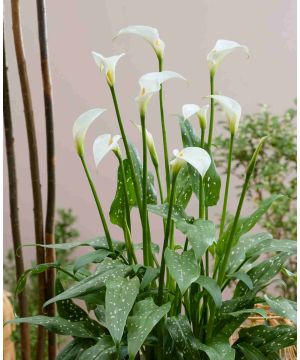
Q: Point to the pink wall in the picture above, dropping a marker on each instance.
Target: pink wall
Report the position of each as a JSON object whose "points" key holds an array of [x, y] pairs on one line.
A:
{"points": [[190, 30]]}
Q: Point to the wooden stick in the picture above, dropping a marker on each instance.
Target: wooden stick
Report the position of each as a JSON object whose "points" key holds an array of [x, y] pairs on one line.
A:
{"points": [[34, 164], [50, 214], [14, 210]]}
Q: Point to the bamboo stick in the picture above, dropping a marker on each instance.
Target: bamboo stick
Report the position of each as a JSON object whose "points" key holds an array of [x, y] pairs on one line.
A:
{"points": [[50, 213], [14, 210], [34, 164]]}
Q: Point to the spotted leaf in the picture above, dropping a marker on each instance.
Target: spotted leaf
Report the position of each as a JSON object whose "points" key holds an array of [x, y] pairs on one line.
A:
{"points": [[107, 270], [283, 307], [201, 234], [61, 326], [104, 349], [117, 210], [119, 299], [183, 268], [145, 316]]}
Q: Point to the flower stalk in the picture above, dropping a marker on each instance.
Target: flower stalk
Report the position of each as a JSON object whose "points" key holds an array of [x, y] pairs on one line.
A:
{"points": [[127, 150], [164, 132], [224, 210], [166, 240], [98, 204]]}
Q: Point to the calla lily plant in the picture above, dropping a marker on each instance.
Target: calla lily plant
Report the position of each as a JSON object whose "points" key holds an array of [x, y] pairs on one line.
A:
{"points": [[183, 290]]}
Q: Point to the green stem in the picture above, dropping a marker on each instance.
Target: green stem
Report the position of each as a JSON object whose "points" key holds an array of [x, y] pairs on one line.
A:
{"points": [[212, 111], [127, 208], [146, 253], [229, 243], [101, 213], [126, 146], [201, 184], [166, 240], [223, 218], [161, 195], [164, 134]]}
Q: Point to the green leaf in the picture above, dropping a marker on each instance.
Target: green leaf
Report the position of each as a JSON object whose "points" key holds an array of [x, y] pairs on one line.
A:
{"points": [[155, 247], [246, 224], [268, 339], [162, 210], [181, 333], [212, 182], [67, 309], [283, 307], [145, 316], [211, 286], [104, 350], [183, 188], [60, 326], [246, 242], [230, 306], [245, 278], [183, 268], [96, 243], [92, 257], [188, 135], [201, 234], [73, 350], [150, 275], [262, 273], [219, 348], [117, 210], [250, 352], [261, 312], [119, 299], [270, 245], [37, 269], [107, 270]]}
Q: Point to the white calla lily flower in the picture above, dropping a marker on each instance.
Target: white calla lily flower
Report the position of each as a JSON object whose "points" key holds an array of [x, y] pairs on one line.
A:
{"points": [[195, 156], [220, 51], [81, 126], [150, 34], [232, 110], [103, 145], [150, 84], [150, 144], [108, 64], [189, 110]]}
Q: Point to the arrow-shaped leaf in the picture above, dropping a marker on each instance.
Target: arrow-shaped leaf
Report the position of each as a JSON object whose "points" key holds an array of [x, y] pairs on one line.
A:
{"points": [[201, 234], [183, 268]]}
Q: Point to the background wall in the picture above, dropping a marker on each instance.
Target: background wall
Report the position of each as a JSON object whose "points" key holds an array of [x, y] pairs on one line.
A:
{"points": [[189, 29]]}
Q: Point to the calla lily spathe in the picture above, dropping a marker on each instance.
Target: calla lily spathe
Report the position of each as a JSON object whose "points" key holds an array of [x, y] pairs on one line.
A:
{"points": [[150, 144], [103, 145], [150, 34], [150, 84], [195, 156], [189, 110], [108, 64], [232, 110], [220, 51], [81, 126]]}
